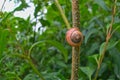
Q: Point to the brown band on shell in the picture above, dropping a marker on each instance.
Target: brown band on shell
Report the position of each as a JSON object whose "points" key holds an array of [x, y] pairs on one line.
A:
{"points": [[76, 36]]}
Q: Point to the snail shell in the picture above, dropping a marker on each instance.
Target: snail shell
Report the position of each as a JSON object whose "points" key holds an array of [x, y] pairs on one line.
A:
{"points": [[74, 37]]}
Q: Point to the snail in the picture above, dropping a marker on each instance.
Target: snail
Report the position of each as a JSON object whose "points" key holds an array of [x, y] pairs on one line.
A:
{"points": [[74, 37]]}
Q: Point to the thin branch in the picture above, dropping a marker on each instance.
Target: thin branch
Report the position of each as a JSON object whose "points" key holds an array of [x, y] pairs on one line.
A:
{"points": [[100, 60], [62, 14], [113, 15], [27, 58], [35, 70], [31, 64], [109, 34]]}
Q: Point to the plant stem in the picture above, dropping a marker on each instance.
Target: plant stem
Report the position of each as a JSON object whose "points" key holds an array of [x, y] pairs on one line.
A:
{"points": [[76, 23], [31, 64], [100, 60], [62, 14], [109, 34], [75, 13], [34, 69], [28, 58], [75, 63], [75, 50]]}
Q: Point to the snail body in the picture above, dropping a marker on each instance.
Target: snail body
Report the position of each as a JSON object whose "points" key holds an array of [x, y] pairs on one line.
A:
{"points": [[74, 37]]}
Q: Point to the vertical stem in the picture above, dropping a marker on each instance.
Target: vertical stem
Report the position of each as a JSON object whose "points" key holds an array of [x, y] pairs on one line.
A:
{"points": [[35, 69], [62, 14], [109, 34], [76, 23], [75, 50], [31, 64], [100, 60], [75, 63], [75, 13]]}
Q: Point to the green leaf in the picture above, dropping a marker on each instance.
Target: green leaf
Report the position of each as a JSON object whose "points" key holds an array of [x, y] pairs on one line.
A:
{"points": [[56, 44], [116, 29], [60, 47], [22, 6], [53, 12], [102, 4], [110, 45], [89, 33], [117, 70], [88, 71], [94, 58], [102, 47], [31, 77], [115, 56], [3, 40], [10, 74], [108, 26], [60, 63]]}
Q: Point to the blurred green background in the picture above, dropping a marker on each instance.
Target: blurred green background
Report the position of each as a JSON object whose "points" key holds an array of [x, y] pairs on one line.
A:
{"points": [[35, 47]]}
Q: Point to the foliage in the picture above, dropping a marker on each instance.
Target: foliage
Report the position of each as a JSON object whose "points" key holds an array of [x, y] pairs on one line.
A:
{"points": [[27, 55]]}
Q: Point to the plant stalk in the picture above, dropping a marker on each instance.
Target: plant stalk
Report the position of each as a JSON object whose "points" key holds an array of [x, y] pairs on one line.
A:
{"points": [[76, 23], [62, 14], [109, 34], [31, 64], [75, 63], [35, 70], [75, 50]]}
